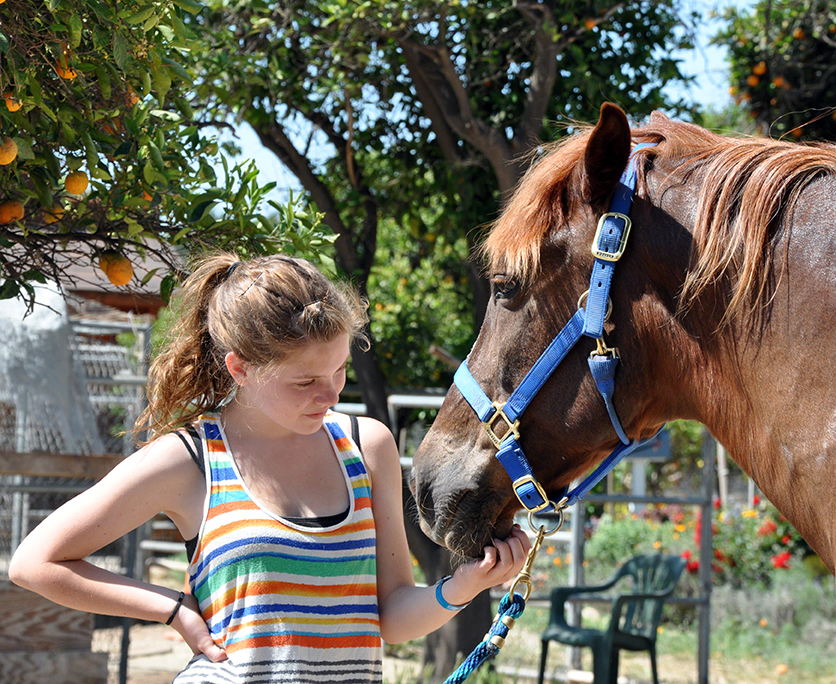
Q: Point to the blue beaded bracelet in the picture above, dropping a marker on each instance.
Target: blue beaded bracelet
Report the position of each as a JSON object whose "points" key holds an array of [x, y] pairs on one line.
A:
{"points": [[440, 598]]}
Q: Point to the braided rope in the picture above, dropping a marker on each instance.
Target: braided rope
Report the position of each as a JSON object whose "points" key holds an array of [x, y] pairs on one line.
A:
{"points": [[510, 608]]}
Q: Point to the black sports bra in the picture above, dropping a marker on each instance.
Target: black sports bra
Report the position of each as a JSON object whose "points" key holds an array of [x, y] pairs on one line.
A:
{"points": [[195, 449]]}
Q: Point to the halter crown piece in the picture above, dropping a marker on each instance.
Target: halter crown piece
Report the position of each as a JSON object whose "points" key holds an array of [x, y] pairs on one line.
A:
{"points": [[608, 246]]}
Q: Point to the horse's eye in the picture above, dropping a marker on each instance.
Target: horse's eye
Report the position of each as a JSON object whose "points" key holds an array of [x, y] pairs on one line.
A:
{"points": [[504, 287]]}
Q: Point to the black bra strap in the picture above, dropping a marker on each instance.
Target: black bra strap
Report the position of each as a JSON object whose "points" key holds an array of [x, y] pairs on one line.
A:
{"points": [[355, 429], [195, 448]]}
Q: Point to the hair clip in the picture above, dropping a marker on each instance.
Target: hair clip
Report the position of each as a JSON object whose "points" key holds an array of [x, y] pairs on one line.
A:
{"points": [[231, 269], [251, 284]]}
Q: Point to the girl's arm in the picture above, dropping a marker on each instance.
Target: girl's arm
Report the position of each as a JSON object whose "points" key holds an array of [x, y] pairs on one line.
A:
{"points": [[407, 611], [51, 559]]}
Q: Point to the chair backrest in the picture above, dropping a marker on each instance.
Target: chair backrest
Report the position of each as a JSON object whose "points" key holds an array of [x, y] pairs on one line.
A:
{"points": [[652, 574]]}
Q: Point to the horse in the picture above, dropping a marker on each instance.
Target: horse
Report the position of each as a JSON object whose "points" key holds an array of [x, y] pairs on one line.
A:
{"points": [[721, 309]]}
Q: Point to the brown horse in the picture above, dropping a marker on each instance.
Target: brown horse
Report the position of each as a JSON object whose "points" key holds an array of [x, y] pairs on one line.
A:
{"points": [[723, 311]]}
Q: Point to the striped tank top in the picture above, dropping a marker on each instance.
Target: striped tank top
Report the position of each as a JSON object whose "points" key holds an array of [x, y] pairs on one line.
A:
{"points": [[290, 603]]}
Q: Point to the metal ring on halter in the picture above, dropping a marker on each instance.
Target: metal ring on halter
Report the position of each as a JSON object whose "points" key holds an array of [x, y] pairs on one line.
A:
{"points": [[547, 533], [582, 300]]}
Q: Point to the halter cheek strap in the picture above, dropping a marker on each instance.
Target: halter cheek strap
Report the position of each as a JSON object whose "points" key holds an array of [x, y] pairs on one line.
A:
{"points": [[608, 246]]}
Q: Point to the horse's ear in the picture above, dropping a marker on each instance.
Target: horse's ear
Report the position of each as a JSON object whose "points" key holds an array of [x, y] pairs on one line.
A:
{"points": [[607, 153]]}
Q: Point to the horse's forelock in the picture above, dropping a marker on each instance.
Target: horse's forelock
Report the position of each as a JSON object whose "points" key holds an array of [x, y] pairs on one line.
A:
{"points": [[538, 205]]}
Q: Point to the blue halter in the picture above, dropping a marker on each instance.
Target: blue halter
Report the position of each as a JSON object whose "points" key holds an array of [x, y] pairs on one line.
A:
{"points": [[608, 246]]}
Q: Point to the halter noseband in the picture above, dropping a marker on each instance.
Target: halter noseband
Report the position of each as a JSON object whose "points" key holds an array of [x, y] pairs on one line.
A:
{"points": [[608, 246]]}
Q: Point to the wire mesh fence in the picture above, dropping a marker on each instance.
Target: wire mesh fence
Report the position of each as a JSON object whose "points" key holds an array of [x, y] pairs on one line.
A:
{"points": [[69, 387]]}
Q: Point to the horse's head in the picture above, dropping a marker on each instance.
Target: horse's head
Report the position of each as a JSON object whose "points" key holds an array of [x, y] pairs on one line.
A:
{"points": [[540, 263]]}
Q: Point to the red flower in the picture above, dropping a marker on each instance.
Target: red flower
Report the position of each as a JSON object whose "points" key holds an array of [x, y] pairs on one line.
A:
{"points": [[785, 539], [782, 560], [756, 500], [692, 566], [686, 554], [717, 504], [768, 527]]}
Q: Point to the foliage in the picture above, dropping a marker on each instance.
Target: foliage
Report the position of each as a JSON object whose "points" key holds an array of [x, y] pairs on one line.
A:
{"points": [[422, 298], [751, 547], [782, 54], [102, 87], [419, 117]]}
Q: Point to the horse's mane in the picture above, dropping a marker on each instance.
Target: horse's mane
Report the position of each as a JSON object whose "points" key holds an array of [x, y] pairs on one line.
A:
{"points": [[748, 186]]}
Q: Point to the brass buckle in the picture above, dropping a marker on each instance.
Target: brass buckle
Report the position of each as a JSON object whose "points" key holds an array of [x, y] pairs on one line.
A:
{"points": [[525, 479], [513, 428], [611, 256]]}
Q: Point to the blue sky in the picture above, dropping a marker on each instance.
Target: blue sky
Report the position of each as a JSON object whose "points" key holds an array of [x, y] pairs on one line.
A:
{"points": [[706, 63]]}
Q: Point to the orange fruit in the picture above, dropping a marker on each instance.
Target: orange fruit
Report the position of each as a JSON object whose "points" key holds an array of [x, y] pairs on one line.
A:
{"points": [[131, 98], [10, 210], [65, 72], [8, 151], [116, 267], [54, 214], [590, 24], [12, 103], [752, 81], [62, 66], [759, 68], [799, 34], [76, 182]]}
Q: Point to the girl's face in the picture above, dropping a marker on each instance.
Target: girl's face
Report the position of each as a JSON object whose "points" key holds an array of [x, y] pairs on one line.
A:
{"points": [[292, 397]]}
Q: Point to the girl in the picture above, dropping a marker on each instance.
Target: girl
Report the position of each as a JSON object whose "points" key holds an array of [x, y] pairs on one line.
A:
{"points": [[298, 557]]}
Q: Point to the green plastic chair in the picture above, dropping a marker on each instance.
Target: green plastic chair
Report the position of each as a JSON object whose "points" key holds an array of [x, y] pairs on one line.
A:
{"points": [[634, 618]]}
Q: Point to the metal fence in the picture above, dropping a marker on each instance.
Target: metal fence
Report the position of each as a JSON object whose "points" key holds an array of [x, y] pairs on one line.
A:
{"points": [[109, 360]]}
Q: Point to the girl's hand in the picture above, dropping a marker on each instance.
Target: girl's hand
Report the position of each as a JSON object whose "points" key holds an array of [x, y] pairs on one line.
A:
{"points": [[501, 563], [189, 622]]}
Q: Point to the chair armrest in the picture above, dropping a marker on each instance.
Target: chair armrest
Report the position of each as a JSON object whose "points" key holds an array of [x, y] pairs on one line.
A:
{"points": [[560, 595]]}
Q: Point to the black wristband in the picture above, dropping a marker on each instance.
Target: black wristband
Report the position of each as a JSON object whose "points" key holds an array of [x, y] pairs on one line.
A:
{"points": [[176, 608]]}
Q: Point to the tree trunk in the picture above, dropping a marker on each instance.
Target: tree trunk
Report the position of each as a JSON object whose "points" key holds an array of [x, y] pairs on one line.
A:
{"points": [[372, 384], [447, 646]]}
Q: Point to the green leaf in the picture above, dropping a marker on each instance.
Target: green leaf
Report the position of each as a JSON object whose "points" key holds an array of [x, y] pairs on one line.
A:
{"points": [[191, 6], [53, 5], [4, 42], [156, 156], [140, 16], [120, 51], [90, 148], [75, 30], [24, 149], [200, 209], [167, 287], [162, 82], [103, 77], [178, 69], [9, 289]]}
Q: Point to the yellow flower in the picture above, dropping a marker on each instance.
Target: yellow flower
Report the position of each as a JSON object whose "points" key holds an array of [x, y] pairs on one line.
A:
{"points": [[675, 535], [764, 622], [557, 561], [680, 528], [550, 550], [657, 545], [750, 513]]}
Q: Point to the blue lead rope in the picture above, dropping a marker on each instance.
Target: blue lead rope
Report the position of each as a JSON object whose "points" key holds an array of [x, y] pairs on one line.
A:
{"points": [[510, 608]]}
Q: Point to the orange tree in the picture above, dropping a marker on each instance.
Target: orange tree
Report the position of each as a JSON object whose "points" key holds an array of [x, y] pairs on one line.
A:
{"points": [[783, 65], [102, 154]]}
